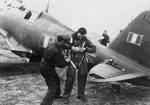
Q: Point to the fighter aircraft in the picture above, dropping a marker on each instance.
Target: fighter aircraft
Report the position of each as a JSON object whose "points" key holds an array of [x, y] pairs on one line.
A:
{"points": [[127, 58], [28, 32]]}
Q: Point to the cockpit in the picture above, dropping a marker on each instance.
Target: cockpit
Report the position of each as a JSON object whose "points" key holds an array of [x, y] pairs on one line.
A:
{"points": [[31, 16], [21, 11]]}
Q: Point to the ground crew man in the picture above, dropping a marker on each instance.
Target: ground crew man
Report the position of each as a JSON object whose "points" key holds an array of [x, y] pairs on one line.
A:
{"points": [[80, 45], [52, 58], [104, 39]]}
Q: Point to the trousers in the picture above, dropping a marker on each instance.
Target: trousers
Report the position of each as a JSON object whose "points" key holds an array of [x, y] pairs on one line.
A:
{"points": [[82, 77], [53, 82]]}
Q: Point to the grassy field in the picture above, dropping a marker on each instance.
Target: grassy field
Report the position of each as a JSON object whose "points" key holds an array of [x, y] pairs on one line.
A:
{"points": [[22, 84]]}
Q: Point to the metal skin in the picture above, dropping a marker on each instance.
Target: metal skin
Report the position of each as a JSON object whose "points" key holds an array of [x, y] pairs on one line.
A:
{"points": [[130, 54], [33, 33]]}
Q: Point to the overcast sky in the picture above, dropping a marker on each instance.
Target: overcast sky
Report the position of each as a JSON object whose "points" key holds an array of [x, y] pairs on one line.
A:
{"points": [[95, 15]]}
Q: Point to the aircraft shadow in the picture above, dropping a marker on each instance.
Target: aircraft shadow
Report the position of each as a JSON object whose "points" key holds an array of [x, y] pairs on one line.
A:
{"points": [[18, 69], [129, 95]]}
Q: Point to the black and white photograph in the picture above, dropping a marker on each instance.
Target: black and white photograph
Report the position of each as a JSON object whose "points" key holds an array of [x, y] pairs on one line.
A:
{"points": [[74, 52]]}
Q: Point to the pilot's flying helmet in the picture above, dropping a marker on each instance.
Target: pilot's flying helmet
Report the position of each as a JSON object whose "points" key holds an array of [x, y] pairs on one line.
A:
{"points": [[67, 37], [64, 38], [82, 31]]}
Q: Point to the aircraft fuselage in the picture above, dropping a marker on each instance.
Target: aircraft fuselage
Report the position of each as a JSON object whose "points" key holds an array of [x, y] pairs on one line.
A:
{"points": [[34, 32]]}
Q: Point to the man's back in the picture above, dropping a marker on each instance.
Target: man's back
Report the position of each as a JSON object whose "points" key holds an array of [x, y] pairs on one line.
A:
{"points": [[53, 55]]}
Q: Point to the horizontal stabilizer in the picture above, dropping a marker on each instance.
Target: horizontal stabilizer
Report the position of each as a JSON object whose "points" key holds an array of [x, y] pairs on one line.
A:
{"points": [[109, 73], [117, 78]]}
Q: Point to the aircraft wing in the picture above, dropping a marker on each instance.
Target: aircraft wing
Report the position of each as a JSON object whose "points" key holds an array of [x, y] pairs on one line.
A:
{"points": [[112, 73], [12, 45]]}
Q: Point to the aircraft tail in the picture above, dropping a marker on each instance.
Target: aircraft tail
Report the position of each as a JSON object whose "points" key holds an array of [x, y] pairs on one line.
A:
{"points": [[133, 42]]}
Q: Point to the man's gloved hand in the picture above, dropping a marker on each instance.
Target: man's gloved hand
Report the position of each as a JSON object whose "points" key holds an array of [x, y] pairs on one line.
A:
{"points": [[82, 49], [78, 49], [75, 49], [67, 59]]}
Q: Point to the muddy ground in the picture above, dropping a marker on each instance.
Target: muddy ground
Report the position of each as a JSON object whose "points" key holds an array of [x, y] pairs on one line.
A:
{"points": [[22, 84]]}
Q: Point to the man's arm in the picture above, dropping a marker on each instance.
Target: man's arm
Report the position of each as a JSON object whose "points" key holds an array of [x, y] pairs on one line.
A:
{"points": [[90, 48]]}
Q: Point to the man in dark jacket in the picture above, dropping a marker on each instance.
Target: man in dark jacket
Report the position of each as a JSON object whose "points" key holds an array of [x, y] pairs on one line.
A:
{"points": [[52, 58], [104, 38], [80, 45]]}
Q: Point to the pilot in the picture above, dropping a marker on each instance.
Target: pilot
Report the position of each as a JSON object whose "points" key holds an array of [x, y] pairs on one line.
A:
{"points": [[48, 64], [104, 39], [80, 46]]}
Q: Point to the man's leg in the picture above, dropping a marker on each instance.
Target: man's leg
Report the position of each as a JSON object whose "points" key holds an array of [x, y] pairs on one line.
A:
{"points": [[51, 83], [58, 90], [82, 77], [69, 83]]}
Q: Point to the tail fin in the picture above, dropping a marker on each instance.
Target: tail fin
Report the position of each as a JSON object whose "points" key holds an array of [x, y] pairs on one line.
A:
{"points": [[134, 41]]}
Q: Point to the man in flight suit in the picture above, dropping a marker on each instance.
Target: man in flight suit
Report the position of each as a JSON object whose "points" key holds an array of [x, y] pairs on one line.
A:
{"points": [[80, 45], [52, 58], [104, 39]]}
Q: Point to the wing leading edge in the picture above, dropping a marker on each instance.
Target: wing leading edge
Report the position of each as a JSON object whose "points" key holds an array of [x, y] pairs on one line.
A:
{"points": [[14, 46], [112, 73]]}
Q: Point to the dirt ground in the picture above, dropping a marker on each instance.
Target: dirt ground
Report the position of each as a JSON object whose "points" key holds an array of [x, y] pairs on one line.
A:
{"points": [[22, 84]]}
